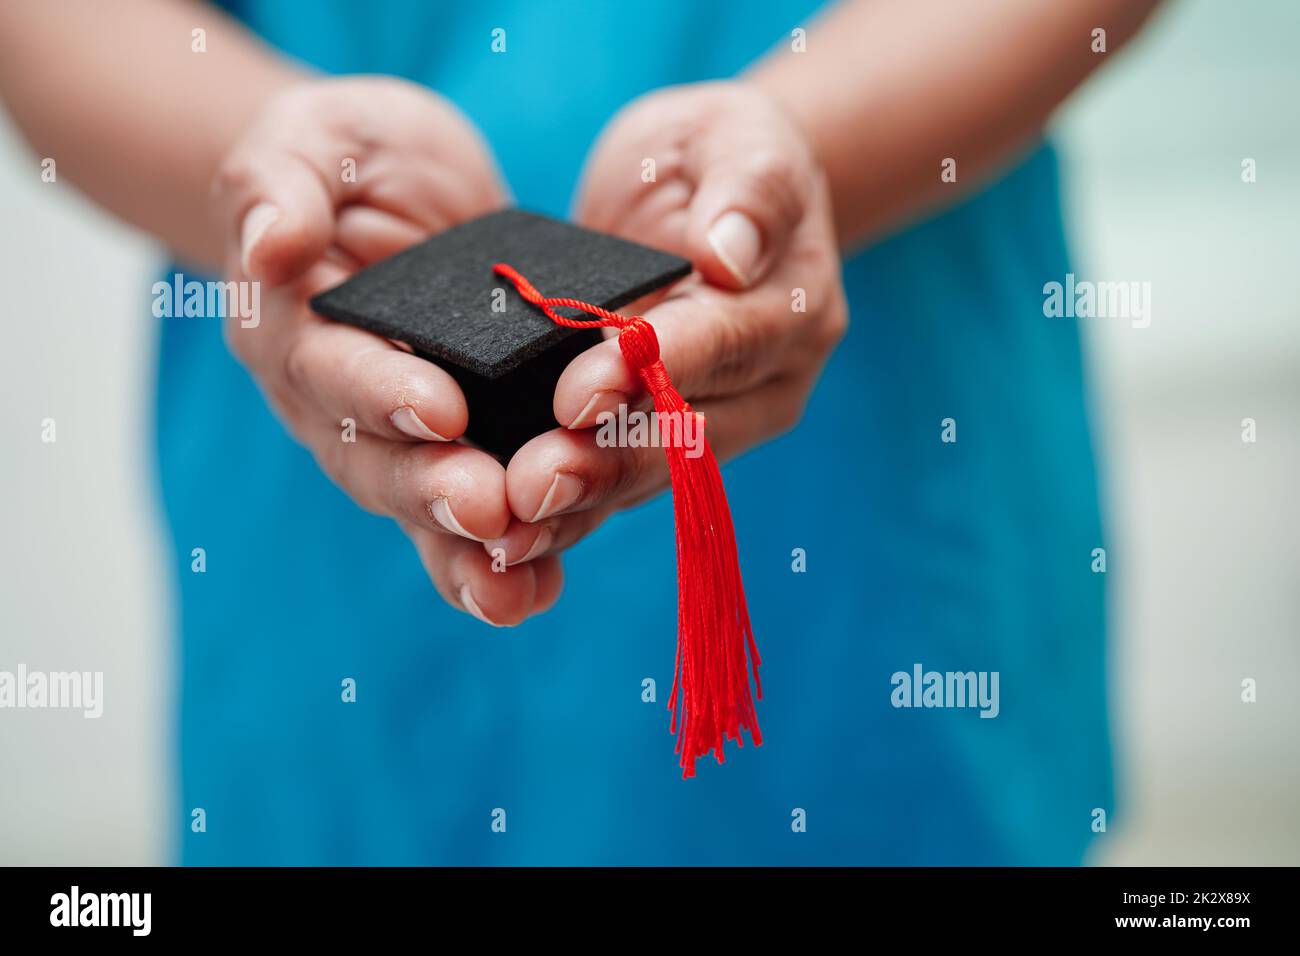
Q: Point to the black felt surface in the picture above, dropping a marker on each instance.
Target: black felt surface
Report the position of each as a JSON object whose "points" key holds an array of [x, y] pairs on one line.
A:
{"points": [[438, 296]]}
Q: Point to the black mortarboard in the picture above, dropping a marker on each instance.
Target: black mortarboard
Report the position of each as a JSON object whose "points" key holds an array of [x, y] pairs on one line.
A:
{"points": [[440, 297]]}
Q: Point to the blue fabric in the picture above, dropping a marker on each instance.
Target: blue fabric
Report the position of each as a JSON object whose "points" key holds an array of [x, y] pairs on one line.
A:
{"points": [[965, 556]]}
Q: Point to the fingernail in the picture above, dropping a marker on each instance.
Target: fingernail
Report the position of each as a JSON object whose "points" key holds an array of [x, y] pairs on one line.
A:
{"points": [[256, 221], [563, 493], [441, 512], [407, 422], [467, 599], [540, 544], [737, 243], [598, 404]]}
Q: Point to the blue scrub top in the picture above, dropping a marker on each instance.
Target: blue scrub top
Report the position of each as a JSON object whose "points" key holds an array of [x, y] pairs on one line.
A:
{"points": [[966, 556]]}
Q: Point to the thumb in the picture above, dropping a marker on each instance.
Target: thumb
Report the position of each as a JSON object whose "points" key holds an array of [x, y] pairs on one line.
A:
{"points": [[747, 203], [277, 212]]}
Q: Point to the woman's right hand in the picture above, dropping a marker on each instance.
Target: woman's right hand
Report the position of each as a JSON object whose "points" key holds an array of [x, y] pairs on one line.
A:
{"points": [[331, 176]]}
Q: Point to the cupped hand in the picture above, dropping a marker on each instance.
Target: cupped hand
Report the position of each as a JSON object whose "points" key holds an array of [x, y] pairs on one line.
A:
{"points": [[331, 176], [735, 188]]}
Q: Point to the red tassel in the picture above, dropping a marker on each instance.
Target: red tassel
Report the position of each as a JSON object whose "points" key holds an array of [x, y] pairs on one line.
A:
{"points": [[710, 701]]}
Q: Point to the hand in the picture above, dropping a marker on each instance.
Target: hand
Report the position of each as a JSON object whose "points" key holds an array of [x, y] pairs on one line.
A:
{"points": [[738, 192], [334, 175]]}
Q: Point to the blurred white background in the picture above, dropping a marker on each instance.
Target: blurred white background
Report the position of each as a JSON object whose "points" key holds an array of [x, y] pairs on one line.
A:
{"points": [[1205, 529]]}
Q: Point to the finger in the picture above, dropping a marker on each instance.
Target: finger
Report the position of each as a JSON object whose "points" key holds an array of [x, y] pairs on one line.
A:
{"points": [[431, 195], [304, 361], [549, 574], [752, 189], [278, 209], [261, 344], [346, 372], [448, 488], [567, 472], [526, 542], [712, 344], [369, 235], [464, 576], [654, 214]]}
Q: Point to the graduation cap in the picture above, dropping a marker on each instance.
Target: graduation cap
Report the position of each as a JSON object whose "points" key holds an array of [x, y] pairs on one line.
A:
{"points": [[443, 299], [448, 298]]}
